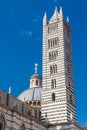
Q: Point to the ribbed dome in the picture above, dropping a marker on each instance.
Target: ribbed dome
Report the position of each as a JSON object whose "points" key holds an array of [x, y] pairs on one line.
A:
{"points": [[32, 94]]}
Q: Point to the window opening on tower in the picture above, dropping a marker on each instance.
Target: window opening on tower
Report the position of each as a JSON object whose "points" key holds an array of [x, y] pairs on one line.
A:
{"points": [[53, 69], [54, 42], [53, 83], [53, 96]]}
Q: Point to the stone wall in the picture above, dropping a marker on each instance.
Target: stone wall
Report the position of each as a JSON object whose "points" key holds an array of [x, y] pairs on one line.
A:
{"points": [[15, 113]]}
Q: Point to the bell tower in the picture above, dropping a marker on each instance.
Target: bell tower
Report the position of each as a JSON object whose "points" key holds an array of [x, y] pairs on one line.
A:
{"points": [[58, 98]]}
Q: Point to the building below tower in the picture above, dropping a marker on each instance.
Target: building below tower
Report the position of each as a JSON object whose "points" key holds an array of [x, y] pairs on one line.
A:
{"points": [[18, 115]]}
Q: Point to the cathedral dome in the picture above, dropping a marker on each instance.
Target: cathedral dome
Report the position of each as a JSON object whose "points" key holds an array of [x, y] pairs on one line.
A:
{"points": [[34, 92]]}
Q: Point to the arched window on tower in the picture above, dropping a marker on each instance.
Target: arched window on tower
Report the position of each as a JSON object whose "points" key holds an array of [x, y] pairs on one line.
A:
{"points": [[52, 83], [55, 69], [71, 99], [54, 55], [48, 44], [51, 43], [49, 56], [55, 42], [53, 96], [51, 70]]}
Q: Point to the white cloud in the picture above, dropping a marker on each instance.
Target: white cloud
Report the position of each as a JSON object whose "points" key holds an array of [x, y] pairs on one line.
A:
{"points": [[55, 0], [27, 33], [35, 20]]}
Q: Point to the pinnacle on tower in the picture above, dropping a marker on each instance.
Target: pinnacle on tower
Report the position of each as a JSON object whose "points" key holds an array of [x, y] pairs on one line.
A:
{"points": [[54, 16], [10, 89], [67, 19], [55, 8], [56, 12], [61, 11], [45, 19]]}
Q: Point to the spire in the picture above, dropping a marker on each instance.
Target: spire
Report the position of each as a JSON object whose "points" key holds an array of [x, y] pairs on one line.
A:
{"points": [[10, 89], [54, 16], [45, 19], [67, 19], [55, 8], [61, 11], [45, 16], [36, 68]]}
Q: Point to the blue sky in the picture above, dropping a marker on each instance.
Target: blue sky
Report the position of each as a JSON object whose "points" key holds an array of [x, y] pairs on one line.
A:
{"points": [[21, 44]]}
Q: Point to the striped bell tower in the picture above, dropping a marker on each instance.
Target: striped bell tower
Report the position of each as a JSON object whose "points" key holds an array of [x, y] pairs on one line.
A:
{"points": [[58, 102]]}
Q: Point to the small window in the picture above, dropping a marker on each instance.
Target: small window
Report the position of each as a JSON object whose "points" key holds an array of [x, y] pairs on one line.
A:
{"points": [[49, 57], [53, 83], [56, 53], [48, 44], [53, 96], [36, 82], [0, 98], [51, 70], [71, 99], [53, 42]]}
